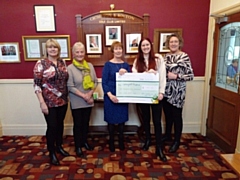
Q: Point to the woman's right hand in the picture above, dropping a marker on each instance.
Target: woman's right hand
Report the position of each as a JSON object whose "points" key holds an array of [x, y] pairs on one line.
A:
{"points": [[171, 75], [122, 71], [86, 96], [44, 108]]}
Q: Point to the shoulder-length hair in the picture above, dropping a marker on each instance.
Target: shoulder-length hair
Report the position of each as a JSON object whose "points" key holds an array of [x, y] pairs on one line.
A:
{"points": [[52, 42], [179, 37], [140, 64]]}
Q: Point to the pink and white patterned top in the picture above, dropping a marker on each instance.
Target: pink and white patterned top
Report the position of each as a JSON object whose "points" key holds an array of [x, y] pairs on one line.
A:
{"points": [[51, 81]]}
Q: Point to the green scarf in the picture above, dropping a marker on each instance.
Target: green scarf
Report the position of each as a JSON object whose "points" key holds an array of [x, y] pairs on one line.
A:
{"points": [[84, 68]]}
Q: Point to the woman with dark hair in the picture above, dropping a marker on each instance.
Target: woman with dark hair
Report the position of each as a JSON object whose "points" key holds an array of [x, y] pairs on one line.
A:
{"points": [[147, 62], [179, 70], [114, 112], [50, 84]]}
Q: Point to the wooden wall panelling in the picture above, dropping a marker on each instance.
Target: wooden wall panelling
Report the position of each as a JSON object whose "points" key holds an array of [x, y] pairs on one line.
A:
{"points": [[95, 24]]}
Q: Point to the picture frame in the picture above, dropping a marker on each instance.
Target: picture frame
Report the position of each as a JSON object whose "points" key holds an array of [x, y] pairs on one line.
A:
{"points": [[112, 33], [44, 18], [9, 52], [160, 36], [132, 42], [94, 43], [34, 46]]}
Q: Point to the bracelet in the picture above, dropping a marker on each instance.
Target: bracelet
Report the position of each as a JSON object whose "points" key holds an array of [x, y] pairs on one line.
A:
{"points": [[178, 76]]}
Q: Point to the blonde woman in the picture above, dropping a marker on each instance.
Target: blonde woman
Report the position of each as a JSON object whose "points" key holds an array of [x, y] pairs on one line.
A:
{"points": [[81, 84], [50, 84], [179, 71]]}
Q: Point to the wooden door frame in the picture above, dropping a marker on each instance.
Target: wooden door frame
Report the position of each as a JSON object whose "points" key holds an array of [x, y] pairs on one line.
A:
{"points": [[208, 67], [212, 79]]}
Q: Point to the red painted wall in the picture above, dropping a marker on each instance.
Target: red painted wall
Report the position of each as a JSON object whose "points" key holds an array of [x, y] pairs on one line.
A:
{"points": [[16, 20]]}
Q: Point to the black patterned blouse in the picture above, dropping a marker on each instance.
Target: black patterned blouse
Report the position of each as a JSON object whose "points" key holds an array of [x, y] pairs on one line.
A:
{"points": [[51, 80], [176, 88]]}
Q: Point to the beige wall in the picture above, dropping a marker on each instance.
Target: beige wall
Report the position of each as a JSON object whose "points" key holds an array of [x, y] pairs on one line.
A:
{"points": [[20, 112], [217, 7]]}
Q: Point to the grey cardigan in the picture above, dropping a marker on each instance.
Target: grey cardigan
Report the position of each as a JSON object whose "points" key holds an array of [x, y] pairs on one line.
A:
{"points": [[74, 83]]}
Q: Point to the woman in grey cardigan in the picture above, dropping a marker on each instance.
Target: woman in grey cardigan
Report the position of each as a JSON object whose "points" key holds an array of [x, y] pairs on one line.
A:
{"points": [[81, 84]]}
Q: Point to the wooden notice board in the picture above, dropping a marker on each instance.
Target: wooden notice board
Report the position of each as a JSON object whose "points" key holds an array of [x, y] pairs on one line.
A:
{"points": [[99, 28]]}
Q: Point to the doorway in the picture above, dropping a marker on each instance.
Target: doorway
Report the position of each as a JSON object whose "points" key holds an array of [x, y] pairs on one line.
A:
{"points": [[224, 99]]}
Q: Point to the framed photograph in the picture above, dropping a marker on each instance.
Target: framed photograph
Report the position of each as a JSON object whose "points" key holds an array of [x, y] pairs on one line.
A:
{"points": [[9, 52], [94, 43], [112, 33], [44, 18], [160, 37], [34, 46], [132, 42]]}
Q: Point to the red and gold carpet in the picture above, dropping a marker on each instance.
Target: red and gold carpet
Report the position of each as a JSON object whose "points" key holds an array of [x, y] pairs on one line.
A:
{"points": [[26, 157]]}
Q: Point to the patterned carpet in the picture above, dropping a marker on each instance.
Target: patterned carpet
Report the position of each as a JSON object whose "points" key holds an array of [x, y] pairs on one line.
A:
{"points": [[26, 157]]}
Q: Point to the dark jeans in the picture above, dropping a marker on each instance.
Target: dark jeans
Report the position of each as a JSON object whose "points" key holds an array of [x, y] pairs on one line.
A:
{"points": [[156, 117], [173, 116], [81, 118], [55, 126]]}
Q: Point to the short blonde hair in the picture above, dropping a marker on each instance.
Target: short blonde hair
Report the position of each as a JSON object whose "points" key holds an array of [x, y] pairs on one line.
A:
{"points": [[78, 45], [116, 44], [52, 42]]}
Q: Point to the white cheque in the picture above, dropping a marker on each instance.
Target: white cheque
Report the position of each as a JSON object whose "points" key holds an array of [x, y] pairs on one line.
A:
{"points": [[137, 87]]}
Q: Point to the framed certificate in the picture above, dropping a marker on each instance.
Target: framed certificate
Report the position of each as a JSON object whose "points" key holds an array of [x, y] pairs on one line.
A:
{"points": [[34, 46], [44, 18], [9, 52]]}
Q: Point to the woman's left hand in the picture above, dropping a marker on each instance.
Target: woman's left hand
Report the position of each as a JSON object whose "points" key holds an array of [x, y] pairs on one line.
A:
{"points": [[88, 96], [90, 101], [160, 96], [122, 71], [114, 99]]}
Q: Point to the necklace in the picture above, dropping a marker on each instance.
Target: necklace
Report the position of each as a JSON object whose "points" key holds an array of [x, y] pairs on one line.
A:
{"points": [[118, 63], [119, 66]]}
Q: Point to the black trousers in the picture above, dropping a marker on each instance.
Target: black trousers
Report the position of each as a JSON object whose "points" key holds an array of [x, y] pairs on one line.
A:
{"points": [[81, 118], [156, 117], [173, 116], [55, 126]]}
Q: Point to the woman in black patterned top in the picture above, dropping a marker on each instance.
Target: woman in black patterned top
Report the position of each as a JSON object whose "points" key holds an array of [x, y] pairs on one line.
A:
{"points": [[179, 70]]}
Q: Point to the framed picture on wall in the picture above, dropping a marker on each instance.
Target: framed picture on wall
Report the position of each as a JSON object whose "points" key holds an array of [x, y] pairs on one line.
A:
{"points": [[44, 18], [160, 37], [112, 33], [94, 43], [9, 52], [34, 46], [132, 42]]}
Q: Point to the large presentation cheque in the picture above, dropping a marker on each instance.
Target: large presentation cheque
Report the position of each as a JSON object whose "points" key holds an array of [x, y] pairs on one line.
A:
{"points": [[137, 87]]}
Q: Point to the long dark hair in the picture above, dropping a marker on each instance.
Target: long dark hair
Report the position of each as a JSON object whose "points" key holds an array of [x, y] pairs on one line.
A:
{"points": [[140, 64]]}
